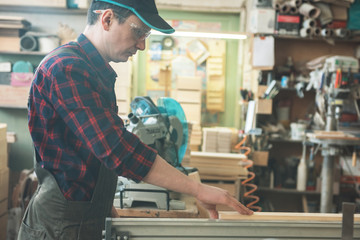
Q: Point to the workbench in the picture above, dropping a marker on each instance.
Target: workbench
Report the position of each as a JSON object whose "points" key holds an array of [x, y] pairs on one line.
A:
{"points": [[231, 225]]}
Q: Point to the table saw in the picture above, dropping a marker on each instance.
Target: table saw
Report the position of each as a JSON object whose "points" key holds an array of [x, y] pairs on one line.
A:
{"points": [[231, 225]]}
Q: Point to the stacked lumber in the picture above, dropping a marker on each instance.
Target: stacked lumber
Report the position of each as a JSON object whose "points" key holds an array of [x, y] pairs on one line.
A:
{"points": [[218, 139], [11, 30], [219, 166]]}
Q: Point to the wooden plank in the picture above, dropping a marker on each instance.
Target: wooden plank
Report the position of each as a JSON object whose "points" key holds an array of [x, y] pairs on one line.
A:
{"points": [[222, 162], [217, 170], [155, 213], [286, 216], [221, 178], [218, 155], [338, 135]]}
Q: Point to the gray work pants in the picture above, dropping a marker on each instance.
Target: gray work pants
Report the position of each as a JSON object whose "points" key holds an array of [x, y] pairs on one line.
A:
{"points": [[50, 216]]}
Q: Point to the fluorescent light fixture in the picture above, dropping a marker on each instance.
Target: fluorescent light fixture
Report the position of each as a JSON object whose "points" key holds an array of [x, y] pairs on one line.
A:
{"points": [[236, 36]]}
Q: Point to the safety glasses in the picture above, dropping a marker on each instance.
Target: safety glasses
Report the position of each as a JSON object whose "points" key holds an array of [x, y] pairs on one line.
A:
{"points": [[140, 33]]}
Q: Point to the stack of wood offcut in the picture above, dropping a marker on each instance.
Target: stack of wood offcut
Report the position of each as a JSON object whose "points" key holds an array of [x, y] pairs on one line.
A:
{"points": [[219, 166], [219, 139], [11, 30], [195, 136]]}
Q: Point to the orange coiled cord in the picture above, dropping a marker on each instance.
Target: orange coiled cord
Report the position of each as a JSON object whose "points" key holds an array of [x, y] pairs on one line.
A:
{"points": [[250, 188]]}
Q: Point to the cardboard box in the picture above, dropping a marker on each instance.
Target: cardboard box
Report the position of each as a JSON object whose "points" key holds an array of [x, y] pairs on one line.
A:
{"points": [[261, 90], [264, 106], [3, 226], [4, 183], [187, 96], [260, 158], [188, 83], [192, 111], [287, 24], [262, 20]]}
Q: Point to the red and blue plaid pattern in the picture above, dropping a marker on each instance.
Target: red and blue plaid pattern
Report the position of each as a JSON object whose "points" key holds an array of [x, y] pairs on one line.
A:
{"points": [[74, 124]]}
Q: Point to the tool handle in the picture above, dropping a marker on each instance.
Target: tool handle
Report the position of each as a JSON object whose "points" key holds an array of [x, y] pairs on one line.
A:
{"points": [[354, 159], [338, 78]]}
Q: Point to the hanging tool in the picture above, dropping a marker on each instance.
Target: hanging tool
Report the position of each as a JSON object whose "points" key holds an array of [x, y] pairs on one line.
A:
{"points": [[354, 157], [251, 175], [338, 78]]}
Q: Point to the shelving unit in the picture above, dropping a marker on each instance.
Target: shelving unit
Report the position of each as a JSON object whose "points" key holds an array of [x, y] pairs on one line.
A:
{"points": [[19, 53], [301, 50], [47, 10]]}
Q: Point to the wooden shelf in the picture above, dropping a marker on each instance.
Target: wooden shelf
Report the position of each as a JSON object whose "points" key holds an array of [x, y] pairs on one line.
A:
{"points": [[296, 37], [287, 191], [284, 140], [354, 39], [22, 53], [160, 6], [44, 10]]}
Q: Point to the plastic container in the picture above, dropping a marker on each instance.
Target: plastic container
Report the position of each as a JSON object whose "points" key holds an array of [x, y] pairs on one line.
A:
{"points": [[297, 131], [302, 172]]}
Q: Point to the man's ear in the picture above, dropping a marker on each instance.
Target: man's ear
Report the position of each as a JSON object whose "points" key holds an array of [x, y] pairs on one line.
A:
{"points": [[107, 19]]}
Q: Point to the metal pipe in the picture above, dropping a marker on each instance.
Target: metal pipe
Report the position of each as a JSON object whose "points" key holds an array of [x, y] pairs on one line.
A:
{"points": [[327, 175]]}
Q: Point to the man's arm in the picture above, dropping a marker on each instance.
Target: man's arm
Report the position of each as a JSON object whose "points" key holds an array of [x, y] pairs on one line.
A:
{"points": [[164, 175]]}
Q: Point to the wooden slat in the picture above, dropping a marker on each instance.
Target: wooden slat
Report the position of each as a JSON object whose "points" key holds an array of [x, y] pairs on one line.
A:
{"points": [[221, 178], [155, 213], [337, 135], [218, 155], [286, 216]]}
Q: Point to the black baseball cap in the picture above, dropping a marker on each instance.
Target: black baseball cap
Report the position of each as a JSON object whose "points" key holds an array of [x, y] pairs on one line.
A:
{"points": [[145, 10]]}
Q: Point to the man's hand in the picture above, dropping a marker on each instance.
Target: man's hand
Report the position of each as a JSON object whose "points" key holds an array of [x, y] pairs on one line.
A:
{"points": [[210, 196], [164, 175]]}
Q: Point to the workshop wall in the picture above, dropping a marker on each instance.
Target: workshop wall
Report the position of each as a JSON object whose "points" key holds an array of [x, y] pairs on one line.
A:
{"points": [[21, 155], [229, 23]]}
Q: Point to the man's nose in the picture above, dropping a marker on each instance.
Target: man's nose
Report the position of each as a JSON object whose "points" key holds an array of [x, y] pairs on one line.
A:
{"points": [[141, 45]]}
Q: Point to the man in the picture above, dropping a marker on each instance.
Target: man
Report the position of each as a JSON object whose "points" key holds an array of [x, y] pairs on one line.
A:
{"points": [[81, 143]]}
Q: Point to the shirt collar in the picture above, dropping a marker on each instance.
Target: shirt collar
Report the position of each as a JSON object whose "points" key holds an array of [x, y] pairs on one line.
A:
{"points": [[99, 64]]}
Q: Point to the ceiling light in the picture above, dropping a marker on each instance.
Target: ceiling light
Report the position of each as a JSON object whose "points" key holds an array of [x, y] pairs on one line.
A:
{"points": [[236, 36]]}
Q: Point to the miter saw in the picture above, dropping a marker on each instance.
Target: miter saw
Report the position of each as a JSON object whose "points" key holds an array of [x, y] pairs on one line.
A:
{"points": [[164, 128]]}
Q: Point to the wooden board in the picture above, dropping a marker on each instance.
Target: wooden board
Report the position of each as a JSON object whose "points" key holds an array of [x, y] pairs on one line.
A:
{"points": [[221, 178], [222, 166], [285, 216], [155, 213], [219, 156], [337, 135]]}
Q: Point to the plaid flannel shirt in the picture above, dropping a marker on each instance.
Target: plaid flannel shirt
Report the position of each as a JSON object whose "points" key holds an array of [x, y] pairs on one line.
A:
{"points": [[74, 124]]}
